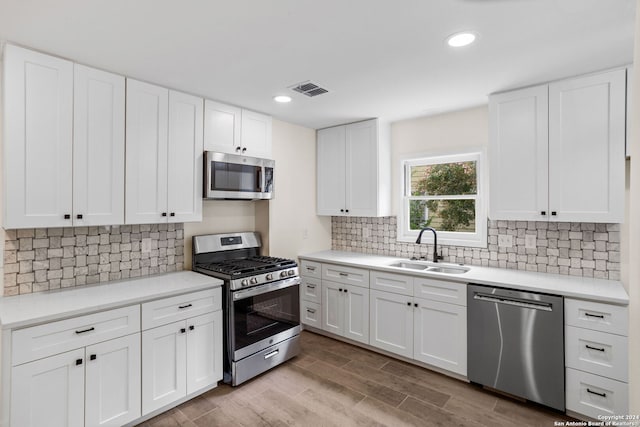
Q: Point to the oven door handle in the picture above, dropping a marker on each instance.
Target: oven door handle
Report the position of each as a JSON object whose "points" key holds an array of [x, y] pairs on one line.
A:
{"points": [[263, 289]]}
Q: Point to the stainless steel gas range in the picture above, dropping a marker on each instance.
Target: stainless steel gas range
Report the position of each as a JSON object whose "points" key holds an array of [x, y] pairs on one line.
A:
{"points": [[260, 299]]}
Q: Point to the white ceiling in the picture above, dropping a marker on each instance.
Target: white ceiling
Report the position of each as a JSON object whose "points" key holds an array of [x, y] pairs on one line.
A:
{"points": [[378, 58]]}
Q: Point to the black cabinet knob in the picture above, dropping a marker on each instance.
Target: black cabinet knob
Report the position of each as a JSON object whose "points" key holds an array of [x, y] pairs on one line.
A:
{"points": [[340, 289], [164, 214], [415, 305], [79, 216], [191, 328], [93, 357], [78, 362], [238, 149], [341, 210], [347, 210], [67, 216], [554, 213], [543, 213], [409, 304], [345, 291], [244, 149], [172, 214], [183, 330]]}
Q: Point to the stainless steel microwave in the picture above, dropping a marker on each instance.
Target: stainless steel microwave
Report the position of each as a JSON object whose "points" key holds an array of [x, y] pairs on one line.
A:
{"points": [[233, 177]]}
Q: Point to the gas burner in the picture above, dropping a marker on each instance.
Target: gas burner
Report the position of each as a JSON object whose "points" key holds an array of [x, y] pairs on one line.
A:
{"points": [[246, 266]]}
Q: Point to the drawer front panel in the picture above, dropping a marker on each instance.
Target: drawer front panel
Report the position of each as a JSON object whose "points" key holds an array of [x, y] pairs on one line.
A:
{"points": [[52, 338], [593, 395], [597, 352], [311, 290], [440, 290], [596, 316], [310, 313], [346, 275], [169, 310], [389, 282], [310, 269]]}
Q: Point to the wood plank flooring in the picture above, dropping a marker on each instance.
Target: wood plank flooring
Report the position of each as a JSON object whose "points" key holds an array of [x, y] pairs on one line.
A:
{"points": [[332, 383]]}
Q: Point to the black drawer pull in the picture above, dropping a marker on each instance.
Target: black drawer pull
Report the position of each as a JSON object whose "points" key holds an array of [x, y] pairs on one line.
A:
{"points": [[596, 393], [191, 328], [185, 306], [311, 286], [86, 330], [311, 269], [310, 310], [183, 330], [343, 274], [79, 216], [554, 213], [599, 316], [543, 213], [78, 362], [164, 214], [67, 216], [594, 348], [93, 357], [172, 214]]}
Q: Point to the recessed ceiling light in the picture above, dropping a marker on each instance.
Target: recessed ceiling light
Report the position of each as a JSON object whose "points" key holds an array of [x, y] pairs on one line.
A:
{"points": [[282, 99], [461, 39]]}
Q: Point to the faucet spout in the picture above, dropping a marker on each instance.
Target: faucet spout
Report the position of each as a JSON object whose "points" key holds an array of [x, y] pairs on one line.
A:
{"points": [[436, 257]]}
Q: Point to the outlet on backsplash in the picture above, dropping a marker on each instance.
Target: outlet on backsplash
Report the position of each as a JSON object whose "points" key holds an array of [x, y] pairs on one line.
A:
{"points": [[505, 240]]}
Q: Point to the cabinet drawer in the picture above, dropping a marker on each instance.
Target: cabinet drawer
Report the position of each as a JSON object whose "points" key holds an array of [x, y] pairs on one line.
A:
{"points": [[596, 316], [168, 310], [346, 275], [389, 282], [310, 269], [596, 352], [310, 314], [593, 395], [311, 290], [52, 338], [440, 290]]}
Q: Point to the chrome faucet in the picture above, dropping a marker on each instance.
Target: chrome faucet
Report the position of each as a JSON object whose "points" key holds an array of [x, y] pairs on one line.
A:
{"points": [[436, 257]]}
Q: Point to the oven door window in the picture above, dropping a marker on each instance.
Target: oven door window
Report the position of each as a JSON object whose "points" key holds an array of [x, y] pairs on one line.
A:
{"points": [[235, 177], [264, 315]]}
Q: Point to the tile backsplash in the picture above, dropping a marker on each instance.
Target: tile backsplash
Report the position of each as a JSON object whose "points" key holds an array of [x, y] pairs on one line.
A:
{"points": [[40, 259], [576, 249]]}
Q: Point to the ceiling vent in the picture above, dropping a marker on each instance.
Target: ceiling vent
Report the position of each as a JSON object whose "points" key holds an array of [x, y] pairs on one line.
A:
{"points": [[308, 88]]}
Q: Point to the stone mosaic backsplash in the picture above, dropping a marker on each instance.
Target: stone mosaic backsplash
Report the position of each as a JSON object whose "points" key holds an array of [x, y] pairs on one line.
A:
{"points": [[40, 259], [576, 249]]}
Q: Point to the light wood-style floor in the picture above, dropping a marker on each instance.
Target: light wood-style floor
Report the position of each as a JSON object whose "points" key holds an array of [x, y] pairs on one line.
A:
{"points": [[336, 384]]}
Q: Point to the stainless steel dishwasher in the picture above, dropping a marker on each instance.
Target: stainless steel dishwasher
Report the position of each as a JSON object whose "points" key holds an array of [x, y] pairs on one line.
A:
{"points": [[515, 343]]}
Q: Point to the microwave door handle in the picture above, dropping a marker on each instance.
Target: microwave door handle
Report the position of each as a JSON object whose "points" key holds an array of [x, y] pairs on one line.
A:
{"points": [[259, 179]]}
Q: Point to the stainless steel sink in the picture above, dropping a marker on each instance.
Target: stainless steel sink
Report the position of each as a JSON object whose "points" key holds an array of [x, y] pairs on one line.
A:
{"points": [[430, 267]]}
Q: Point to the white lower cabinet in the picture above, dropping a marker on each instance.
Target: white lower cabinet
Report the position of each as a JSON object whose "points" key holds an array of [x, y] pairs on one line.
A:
{"points": [[94, 386], [345, 310], [391, 319], [440, 335], [179, 359]]}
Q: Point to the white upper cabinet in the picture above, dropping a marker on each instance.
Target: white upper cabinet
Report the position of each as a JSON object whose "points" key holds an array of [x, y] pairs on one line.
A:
{"points": [[185, 160], [98, 147], [146, 158], [353, 170], [518, 132], [221, 127], [38, 130], [586, 148], [557, 150], [163, 156], [232, 130]]}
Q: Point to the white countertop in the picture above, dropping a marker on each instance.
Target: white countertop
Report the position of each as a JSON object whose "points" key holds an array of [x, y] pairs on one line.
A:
{"points": [[30, 309], [601, 290]]}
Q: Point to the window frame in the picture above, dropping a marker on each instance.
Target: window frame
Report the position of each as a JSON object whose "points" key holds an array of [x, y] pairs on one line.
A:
{"points": [[477, 239]]}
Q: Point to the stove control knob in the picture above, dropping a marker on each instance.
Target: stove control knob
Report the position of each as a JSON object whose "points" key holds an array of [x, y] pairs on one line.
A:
{"points": [[244, 282], [283, 274], [269, 276], [254, 280], [291, 272]]}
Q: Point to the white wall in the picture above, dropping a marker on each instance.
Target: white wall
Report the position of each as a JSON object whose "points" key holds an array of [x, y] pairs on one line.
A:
{"points": [[294, 227], [457, 131], [633, 285]]}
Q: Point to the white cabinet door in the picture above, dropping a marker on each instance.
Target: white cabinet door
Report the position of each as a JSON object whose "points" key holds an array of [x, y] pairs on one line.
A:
{"points": [[113, 382], [586, 148], [204, 351], [164, 352], [518, 131], [256, 134], [49, 392], [391, 322], [440, 335], [98, 147], [38, 125], [184, 169], [146, 153], [356, 313], [331, 171], [332, 307], [222, 127], [361, 168]]}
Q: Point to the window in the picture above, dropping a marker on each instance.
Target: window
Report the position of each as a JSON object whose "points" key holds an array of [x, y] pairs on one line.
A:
{"points": [[444, 192]]}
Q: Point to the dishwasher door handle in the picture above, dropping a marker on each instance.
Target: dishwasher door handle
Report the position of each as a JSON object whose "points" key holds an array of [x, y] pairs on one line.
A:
{"points": [[534, 305]]}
